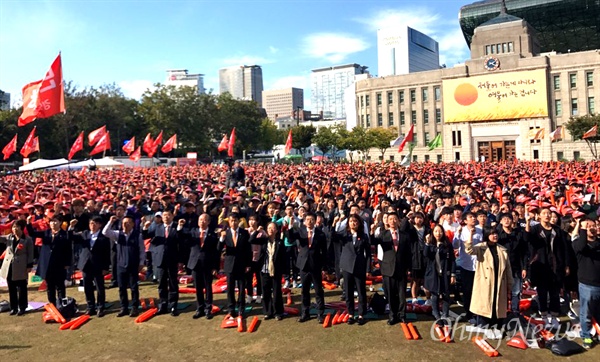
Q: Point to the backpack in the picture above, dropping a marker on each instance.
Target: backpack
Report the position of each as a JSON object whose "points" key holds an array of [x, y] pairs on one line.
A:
{"points": [[67, 307]]}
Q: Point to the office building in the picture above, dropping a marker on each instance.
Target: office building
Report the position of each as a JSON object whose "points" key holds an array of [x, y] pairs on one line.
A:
{"points": [[328, 86], [242, 82], [4, 101], [282, 102], [181, 77], [403, 50]]}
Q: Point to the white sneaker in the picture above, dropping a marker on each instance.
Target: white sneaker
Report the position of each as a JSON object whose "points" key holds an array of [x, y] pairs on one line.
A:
{"points": [[295, 284], [248, 299], [415, 301], [258, 299], [428, 302]]}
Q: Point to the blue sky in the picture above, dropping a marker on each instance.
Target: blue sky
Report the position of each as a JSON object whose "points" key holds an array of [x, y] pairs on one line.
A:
{"points": [[133, 42]]}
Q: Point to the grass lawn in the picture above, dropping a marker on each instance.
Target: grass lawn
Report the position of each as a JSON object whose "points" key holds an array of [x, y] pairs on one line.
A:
{"points": [[167, 338]]}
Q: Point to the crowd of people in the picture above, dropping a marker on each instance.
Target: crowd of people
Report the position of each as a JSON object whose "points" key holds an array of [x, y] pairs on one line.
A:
{"points": [[469, 232]]}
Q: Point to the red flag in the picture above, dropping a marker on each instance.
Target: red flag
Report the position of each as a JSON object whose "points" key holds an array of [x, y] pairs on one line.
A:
{"points": [[28, 147], [77, 146], [170, 144], [136, 155], [231, 143], [96, 135], [10, 148], [36, 144], [129, 146], [224, 143], [288, 143], [407, 138], [158, 140], [46, 97], [102, 145], [148, 144], [593, 132]]}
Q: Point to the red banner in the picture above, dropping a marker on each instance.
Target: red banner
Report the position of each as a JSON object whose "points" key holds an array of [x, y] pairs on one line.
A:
{"points": [[77, 146], [170, 144], [29, 145], [231, 143], [129, 146], [10, 148], [102, 145]]}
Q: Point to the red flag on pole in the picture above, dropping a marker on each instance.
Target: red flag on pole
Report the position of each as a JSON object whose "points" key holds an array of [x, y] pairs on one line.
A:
{"points": [[231, 143], [129, 146], [408, 138], [102, 145], [158, 139], [77, 146], [170, 144], [224, 144], [36, 144], [28, 147], [136, 155], [593, 132], [46, 97], [96, 135], [10, 148], [148, 144], [288, 143]]}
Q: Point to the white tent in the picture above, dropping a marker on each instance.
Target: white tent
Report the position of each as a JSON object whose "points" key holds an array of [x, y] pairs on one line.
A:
{"points": [[42, 163], [100, 163]]}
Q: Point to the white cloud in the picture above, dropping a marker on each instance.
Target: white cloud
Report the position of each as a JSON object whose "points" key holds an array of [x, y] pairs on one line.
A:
{"points": [[246, 60], [422, 19], [135, 88], [332, 47], [453, 47], [272, 49]]}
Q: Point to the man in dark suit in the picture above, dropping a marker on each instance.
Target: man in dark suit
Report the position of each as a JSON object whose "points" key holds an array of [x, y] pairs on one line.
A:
{"points": [[130, 262], [204, 262], [312, 261], [238, 254], [396, 246], [55, 258], [165, 246], [94, 261], [274, 263]]}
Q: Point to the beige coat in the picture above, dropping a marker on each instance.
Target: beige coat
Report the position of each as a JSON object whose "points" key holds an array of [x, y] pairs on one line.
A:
{"points": [[19, 257], [483, 287]]}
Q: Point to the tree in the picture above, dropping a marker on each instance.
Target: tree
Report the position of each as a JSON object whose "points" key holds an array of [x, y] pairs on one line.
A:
{"points": [[302, 137], [269, 136], [361, 141], [381, 138], [326, 140], [578, 126]]}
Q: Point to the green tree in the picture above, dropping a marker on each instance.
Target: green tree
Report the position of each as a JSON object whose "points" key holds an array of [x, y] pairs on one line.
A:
{"points": [[381, 138], [269, 136], [302, 137], [361, 141], [578, 126], [326, 140]]}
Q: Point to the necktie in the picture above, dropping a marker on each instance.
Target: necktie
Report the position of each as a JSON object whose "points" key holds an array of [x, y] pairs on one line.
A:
{"points": [[202, 238], [166, 231], [310, 238], [395, 239], [234, 237]]}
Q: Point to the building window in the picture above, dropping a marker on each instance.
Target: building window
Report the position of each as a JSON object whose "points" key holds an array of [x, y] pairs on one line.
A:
{"points": [[556, 79], [426, 158], [437, 93], [457, 156], [378, 99], [425, 94], [573, 80], [391, 157], [456, 139], [415, 158], [367, 100], [574, 107], [413, 117], [379, 120], [402, 120], [413, 96], [488, 50], [362, 101], [426, 137], [504, 48], [510, 47], [589, 76], [438, 116], [439, 158], [390, 119], [560, 155], [390, 97], [591, 105], [401, 96], [426, 116], [558, 107], [380, 158], [536, 154], [576, 155], [362, 120], [368, 120]]}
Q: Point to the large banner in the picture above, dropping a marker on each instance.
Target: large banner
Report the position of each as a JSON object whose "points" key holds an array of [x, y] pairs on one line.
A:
{"points": [[495, 97]]}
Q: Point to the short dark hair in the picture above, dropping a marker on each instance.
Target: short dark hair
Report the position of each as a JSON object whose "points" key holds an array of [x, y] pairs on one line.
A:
{"points": [[234, 215]]}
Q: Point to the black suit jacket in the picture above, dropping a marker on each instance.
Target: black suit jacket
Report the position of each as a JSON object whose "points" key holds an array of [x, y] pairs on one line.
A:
{"points": [[94, 259], [207, 257], [279, 257], [165, 250], [237, 257], [395, 263], [313, 259], [56, 252], [356, 257]]}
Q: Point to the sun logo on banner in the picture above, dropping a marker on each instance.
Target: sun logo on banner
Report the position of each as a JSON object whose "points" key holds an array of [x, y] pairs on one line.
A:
{"points": [[465, 94]]}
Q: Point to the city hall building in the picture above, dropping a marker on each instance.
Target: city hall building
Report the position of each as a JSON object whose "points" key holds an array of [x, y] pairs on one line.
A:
{"points": [[501, 104]]}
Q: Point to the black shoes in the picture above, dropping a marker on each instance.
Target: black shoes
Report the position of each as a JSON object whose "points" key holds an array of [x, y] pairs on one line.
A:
{"points": [[20, 312], [392, 321], [303, 319], [209, 316], [134, 312], [122, 313], [320, 319], [278, 318], [351, 320], [267, 317], [174, 312], [361, 321], [100, 313], [162, 311], [13, 312], [199, 314], [90, 312]]}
